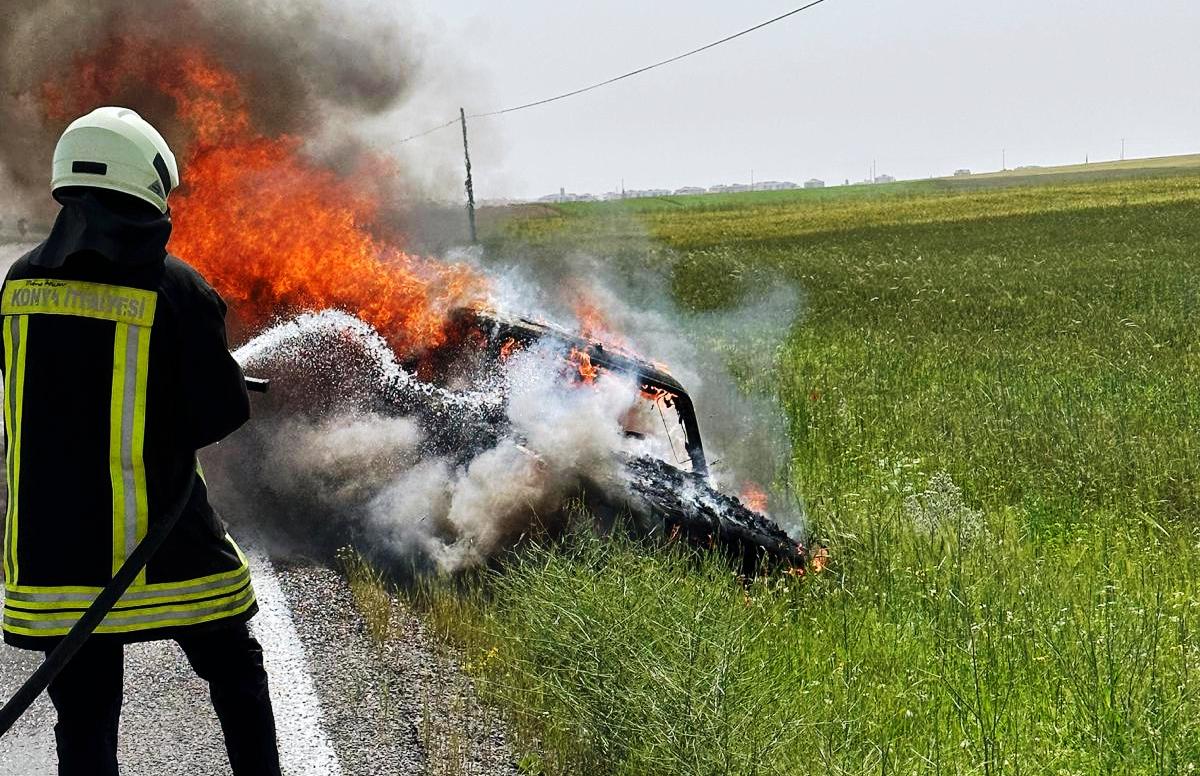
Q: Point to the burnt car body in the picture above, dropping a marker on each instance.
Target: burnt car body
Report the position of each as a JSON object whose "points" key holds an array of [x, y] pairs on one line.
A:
{"points": [[669, 500]]}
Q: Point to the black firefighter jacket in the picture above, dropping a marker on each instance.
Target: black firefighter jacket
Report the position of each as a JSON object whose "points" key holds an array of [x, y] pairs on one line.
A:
{"points": [[115, 374]]}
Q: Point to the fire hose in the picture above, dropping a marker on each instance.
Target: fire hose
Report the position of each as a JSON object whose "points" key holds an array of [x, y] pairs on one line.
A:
{"points": [[70, 644]]}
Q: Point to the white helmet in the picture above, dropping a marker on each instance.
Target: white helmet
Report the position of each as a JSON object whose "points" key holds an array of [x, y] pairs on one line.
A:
{"points": [[115, 148]]}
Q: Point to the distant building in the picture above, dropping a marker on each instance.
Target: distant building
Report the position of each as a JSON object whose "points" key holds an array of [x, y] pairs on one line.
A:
{"points": [[962, 173], [775, 186], [814, 183], [565, 196], [884, 179], [689, 190]]}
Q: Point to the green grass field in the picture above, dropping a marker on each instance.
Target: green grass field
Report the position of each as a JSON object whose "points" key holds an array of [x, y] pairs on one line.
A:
{"points": [[993, 395]]}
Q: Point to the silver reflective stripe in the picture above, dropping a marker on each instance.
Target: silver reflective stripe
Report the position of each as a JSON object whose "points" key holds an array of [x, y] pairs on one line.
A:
{"points": [[150, 618], [85, 599], [128, 402]]}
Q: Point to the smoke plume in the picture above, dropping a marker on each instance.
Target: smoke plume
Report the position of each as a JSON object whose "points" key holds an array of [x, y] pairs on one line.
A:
{"points": [[311, 68]]}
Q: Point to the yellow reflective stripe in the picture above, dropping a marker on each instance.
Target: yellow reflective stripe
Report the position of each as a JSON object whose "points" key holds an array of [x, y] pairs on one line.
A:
{"points": [[128, 401], [23, 350], [155, 586], [149, 615], [131, 306], [134, 597], [10, 395], [131, 622], [141, 505], [16, 335], [127, 432], [119, 629], [171, 608], [115, 469]]}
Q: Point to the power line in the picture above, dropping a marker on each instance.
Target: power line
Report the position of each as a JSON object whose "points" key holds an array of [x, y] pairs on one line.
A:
{"points": [[428, 131], [623, 76], [641, 70]]}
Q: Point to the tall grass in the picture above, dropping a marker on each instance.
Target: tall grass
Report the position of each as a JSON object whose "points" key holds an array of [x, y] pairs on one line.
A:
{"points": [[924, 650], [992, 400]]}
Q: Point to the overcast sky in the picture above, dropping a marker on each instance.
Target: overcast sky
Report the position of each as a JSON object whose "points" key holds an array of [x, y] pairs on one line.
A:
{"points": [[923, 87]]}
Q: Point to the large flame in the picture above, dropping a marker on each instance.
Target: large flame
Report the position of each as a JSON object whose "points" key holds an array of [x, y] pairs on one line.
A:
{"points": [[272, 230]]}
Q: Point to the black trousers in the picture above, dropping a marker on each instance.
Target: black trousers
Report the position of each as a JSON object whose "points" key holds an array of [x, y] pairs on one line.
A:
{"points": [[87, 696]]}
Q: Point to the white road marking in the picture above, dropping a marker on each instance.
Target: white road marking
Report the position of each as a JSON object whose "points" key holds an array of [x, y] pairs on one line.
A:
{"points": [[303, 746]]}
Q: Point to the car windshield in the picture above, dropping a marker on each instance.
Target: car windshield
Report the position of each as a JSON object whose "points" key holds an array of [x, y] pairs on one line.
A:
{"points": [[655, 423]]}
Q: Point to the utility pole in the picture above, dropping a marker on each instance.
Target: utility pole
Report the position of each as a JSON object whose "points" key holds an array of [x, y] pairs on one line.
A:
{"points": [[752, 179], [1003, 159], [1122, 149], [462, 116]]}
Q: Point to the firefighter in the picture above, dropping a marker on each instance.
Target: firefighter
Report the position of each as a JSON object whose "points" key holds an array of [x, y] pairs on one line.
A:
{"points": [[116, 371]]}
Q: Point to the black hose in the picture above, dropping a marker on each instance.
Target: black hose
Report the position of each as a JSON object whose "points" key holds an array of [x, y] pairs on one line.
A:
{"points": [[95, 614]]}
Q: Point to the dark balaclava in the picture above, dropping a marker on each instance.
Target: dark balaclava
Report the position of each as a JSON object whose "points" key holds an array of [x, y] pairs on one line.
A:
{"points": [[121, 228]]}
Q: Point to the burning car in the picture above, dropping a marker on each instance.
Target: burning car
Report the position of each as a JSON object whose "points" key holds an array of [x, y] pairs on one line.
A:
{"points": [[670, 495], [427, 461]]}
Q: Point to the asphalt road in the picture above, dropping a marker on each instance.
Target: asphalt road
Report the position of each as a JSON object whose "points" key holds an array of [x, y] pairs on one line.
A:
{"points": [[344, 706]]}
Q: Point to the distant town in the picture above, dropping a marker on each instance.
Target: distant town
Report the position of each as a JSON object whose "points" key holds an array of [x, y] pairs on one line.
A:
{"points": [[722, 188]]}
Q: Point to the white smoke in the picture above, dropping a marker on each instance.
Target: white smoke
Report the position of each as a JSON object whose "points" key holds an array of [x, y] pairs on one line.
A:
{"points": [[344, 458], [560, 434], [742, 422], [381, 478]]}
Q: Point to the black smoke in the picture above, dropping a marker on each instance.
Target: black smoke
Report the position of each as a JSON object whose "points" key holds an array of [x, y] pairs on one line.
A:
{"points": [[309, 67]]}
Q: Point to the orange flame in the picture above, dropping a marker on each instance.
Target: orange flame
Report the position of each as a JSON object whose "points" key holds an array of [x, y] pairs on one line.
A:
{"points": [[819, 560], [509, 347], [272, 230], [588, 372], [650, 393], [593, 321], [754, 497]]}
